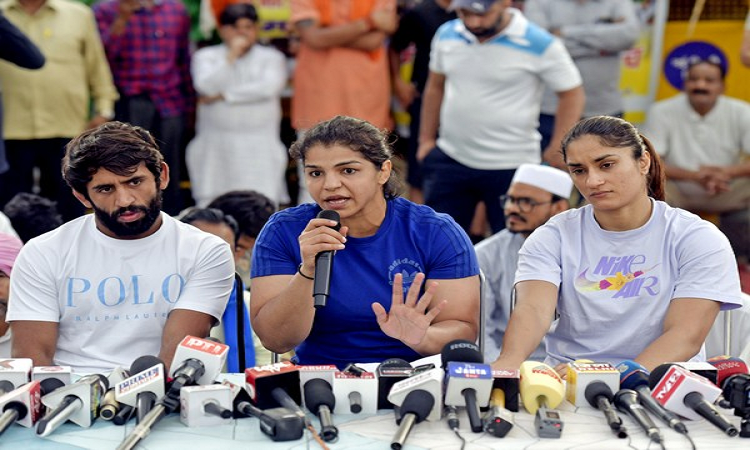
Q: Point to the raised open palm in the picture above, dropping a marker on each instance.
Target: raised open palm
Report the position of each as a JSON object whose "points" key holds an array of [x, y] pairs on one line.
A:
{"points": [[408, 319]]}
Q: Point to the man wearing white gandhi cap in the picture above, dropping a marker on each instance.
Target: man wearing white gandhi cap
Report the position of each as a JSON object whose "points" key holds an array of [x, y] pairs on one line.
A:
{"points": [[536, 193]]}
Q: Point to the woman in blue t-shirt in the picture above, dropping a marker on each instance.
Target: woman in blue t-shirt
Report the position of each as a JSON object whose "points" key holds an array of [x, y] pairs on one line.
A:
{"points": [[404, 280]]}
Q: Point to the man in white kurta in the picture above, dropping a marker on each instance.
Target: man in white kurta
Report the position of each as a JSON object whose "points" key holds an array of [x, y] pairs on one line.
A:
{"points": [[237, 144]]}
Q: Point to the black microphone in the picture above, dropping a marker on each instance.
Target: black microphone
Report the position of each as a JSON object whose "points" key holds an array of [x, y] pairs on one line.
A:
{"points": [[319, 399], [634, 376], [599, 395], [324, 265], [146, 399], [468, 381], [685, 393], [627, 402], [280, 424], [415, 408]]}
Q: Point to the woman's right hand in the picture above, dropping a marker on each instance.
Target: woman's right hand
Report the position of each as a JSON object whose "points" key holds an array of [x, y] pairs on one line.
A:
{"points": [[319, 236]]}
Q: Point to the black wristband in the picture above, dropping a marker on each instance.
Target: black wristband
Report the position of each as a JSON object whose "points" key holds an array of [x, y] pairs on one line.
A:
{"points": [[299, 271]]}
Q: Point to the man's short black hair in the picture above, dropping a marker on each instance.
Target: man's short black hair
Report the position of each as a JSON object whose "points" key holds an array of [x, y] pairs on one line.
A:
{"points": [[250, 209], [32, 215], [237, 11]]}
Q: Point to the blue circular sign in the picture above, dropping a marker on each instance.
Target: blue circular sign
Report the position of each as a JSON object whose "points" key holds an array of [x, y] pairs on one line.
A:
{"points": [[682, 56]]}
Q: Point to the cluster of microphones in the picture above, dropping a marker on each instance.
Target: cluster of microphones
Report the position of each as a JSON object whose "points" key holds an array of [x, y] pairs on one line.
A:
{"points": [[43, 398]]}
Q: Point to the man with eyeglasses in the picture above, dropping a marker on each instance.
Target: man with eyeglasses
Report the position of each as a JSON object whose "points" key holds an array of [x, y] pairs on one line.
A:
{"points": [[536, 194]]}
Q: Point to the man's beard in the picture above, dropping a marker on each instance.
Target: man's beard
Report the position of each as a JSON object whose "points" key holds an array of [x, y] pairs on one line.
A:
{"points": [[481, 33], [130, 229]]}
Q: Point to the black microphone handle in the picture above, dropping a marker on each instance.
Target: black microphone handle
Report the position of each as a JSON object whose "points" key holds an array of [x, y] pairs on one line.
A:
{"points": [[248, 409], [626, 401], [124, 415], [283, 398], [659, 411], [697, 403], [613, 420], [475, 421], [144, 401], [355, 402], [213, 408], [322, 278]]}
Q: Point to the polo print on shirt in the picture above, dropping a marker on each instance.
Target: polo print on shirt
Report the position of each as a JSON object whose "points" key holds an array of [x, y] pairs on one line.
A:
{"points": [[626, 276]]}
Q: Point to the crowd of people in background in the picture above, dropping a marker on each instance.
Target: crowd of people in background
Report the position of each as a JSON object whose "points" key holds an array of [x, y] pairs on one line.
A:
{"points": [[494, 87]]}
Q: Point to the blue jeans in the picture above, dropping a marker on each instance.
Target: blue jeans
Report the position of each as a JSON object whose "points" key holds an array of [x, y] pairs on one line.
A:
{"points": [[452, 188]]}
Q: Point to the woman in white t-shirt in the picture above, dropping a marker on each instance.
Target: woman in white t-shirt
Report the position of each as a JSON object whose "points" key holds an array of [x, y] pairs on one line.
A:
{"points": [[630, 276]]}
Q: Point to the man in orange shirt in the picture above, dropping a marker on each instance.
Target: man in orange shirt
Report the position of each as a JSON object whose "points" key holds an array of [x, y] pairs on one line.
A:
{"points": [[342, 65]]}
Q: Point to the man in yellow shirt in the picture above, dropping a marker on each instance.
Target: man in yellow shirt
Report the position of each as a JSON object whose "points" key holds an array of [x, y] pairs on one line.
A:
{"points": [[45, 108]]}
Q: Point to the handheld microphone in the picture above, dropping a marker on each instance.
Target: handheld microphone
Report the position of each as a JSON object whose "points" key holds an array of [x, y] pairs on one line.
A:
{"points": [[261, 381], [734, 382], [626, 401], [541, 391], [15, 371], [599, 395], [389, 372], [355, 394], [77, 402], [498, 421], [202, 406], [685, 393], [507, 381], [634, 376], [280, 424], [416, 407], [430, 381], [320, 400], [143, 389], [468, 380], [581, 374], [23, 405], [212, 356], [324, 265], [196, 361]]}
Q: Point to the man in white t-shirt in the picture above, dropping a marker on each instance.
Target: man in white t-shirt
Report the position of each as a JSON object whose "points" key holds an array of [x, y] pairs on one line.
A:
{"points": [[488, 69], [127, 281], [703, 137]]}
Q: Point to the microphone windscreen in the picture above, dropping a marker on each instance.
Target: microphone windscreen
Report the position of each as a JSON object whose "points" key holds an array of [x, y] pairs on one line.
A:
{"points": [[318, 392], [657, 374], [595, 390], [461, 350], [144, 362], [50, 384], [331, 215], [419, 403], [632, 375]]}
